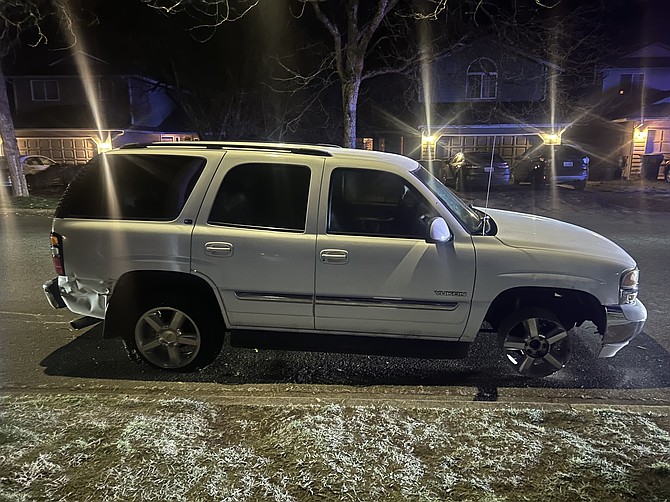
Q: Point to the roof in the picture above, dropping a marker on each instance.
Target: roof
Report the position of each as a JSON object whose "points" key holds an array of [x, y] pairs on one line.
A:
{"points": [[486, 42], [656, 55]]}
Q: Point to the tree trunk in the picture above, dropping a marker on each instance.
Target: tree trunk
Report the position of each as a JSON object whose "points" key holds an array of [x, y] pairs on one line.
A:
{"points": [[9, 143], [350, 91]]}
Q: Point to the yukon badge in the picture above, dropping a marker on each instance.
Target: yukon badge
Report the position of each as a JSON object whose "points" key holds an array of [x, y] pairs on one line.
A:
{"points": [[439, 292]]}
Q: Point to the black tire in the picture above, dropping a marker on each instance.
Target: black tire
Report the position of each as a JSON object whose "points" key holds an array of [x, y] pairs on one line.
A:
{"points": [[580, 185], [534, 342], [174, 333], [667, 173]]}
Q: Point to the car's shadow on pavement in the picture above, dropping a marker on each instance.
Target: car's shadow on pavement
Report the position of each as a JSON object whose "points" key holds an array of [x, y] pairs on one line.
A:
{"points": [[641, 365]]}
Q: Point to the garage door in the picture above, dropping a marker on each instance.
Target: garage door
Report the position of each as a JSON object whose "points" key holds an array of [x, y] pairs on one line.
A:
{"points": [[508, 147], [658, 140], [65, 150]]}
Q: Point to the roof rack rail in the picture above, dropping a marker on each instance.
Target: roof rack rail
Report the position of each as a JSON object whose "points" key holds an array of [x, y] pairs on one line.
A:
{"points": [[239, 145]]}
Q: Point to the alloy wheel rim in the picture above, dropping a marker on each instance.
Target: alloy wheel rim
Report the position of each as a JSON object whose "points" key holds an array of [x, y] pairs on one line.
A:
{"points": [[537, 347], [167, 337]]}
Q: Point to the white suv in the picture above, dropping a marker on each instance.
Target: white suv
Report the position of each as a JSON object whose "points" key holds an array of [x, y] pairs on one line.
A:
{"points": [[174, 244]]}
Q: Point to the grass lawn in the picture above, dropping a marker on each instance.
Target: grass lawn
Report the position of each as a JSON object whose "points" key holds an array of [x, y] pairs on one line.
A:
{"points": [[123, 447]]}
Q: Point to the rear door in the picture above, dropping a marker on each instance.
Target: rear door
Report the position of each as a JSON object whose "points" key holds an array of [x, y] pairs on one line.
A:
{"points": [[254, 241]]}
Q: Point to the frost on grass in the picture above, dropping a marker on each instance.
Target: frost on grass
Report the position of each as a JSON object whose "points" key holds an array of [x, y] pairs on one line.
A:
{"points": [[138, 448]]}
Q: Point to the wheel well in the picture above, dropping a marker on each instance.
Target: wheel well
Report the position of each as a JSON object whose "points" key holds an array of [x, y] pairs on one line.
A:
{"points": [[572, 307], [132, 287]]}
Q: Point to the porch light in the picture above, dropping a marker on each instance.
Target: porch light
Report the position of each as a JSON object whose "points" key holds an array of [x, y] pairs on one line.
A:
{"points": [[640, 134], [551, 139], [104, 147], [428, 139]]}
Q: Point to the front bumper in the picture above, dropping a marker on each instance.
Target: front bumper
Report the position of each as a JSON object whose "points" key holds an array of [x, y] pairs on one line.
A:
{"points": [[624, 322]]}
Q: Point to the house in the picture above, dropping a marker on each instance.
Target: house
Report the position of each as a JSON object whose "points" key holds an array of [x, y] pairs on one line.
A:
{"points": [[636, 95], [79, 105], [487, 94]]}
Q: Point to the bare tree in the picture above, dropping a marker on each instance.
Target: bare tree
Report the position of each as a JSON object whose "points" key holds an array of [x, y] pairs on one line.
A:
{"points": [[21, 19], [367, 39]]}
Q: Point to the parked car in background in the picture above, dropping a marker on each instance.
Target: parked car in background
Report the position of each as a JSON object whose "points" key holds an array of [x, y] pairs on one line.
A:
{"points": [[41, 172], [476, 169], [33, 164], [546, 164]]}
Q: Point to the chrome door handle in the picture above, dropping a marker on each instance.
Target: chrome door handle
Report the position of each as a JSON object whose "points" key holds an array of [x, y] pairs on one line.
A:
{"points": [[336, 256], [219, 249]]}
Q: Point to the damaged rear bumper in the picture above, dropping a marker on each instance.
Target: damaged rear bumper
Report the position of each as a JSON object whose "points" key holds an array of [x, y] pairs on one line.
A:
{"points": [[88, 298]]}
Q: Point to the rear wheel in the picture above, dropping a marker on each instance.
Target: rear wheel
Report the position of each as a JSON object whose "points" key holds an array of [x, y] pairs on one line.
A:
{"points": [[174, 334], [535, 342], [580, 185]]}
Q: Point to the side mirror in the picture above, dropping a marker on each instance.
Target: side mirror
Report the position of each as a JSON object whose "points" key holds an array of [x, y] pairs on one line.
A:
{"points": [[439, 231]]}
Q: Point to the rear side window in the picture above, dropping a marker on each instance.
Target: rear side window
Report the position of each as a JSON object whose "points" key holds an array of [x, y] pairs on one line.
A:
{"points": [[272, 196], [131, 187]]}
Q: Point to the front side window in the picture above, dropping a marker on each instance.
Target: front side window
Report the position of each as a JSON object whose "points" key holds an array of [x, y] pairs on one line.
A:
{"points": [[44, 90], [376, 203], [482, 79], [131, 187], [270, 196]]}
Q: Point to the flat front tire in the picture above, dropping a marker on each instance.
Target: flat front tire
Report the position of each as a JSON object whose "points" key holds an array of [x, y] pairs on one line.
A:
{"points": [[534, 342]]}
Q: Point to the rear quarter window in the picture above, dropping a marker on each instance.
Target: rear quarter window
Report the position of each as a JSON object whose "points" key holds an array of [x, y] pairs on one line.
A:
{"points": [[131, 187]]}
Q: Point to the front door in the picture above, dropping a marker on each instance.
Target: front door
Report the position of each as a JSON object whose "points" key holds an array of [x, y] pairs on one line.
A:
{"points": [[375, 271]]}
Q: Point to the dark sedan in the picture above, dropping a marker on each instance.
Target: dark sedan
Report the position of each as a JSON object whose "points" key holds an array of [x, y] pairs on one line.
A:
{"points": [[476, 169]]}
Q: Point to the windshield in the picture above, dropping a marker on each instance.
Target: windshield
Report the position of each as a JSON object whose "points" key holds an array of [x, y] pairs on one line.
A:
{"points": [[466, 215]]}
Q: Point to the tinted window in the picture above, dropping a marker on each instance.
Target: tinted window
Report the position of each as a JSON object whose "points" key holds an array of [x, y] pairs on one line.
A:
{"points": [[263, 195], [131, 187], [376, 203]]}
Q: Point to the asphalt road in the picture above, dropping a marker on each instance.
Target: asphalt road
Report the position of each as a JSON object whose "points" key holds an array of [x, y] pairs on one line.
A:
{"points": [[40, 350]]}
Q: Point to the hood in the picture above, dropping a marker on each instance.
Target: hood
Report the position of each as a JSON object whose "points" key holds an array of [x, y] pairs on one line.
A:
{"points": [[526, 231]]}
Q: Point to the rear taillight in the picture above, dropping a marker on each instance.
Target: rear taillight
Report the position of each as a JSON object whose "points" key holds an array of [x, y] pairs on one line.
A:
{"points": [[57, 253]]}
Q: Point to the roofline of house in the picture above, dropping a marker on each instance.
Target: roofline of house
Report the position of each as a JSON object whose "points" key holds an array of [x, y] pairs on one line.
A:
{"points": [[535, 128]]}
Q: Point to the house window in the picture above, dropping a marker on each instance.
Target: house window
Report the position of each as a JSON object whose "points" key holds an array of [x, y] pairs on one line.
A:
{"points": [[482, 79], [44, 90], [631, 83], [105, 89], [368, 144]]}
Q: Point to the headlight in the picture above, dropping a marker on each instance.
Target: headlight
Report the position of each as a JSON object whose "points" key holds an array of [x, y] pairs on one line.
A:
{"points": [[628, 286]]}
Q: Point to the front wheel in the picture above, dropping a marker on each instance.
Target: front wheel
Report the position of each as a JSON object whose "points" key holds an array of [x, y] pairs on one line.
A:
{"points": [[535, 342], [175, 335]]}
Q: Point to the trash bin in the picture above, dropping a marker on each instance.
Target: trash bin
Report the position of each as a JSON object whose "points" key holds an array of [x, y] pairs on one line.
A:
{"points": [[651, 163]]}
